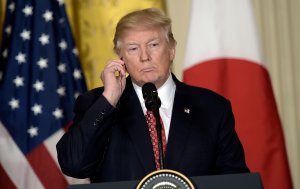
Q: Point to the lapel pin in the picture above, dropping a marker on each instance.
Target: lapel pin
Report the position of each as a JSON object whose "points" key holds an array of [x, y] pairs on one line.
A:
{"points": [[186, 110]]}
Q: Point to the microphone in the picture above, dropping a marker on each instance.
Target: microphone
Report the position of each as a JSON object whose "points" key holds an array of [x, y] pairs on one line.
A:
{"points": [[153, 103], [150, 96]]}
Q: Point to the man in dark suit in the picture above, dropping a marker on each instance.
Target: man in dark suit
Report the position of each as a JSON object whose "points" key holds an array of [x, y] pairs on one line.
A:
{"points": [[109, 139]]}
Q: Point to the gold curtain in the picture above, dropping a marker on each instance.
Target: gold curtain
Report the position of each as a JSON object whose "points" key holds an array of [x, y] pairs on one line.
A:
{"points": [[93, 24], [2, 12]]}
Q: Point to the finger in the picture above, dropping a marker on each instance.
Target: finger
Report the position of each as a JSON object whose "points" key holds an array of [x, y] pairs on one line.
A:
{"points": [[114, 62], [117, 69]]}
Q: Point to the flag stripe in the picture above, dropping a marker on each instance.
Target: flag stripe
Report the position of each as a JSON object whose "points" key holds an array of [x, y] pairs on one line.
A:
{"points": [[50, 144], [5, 180], [46, 169], [15, 164]]}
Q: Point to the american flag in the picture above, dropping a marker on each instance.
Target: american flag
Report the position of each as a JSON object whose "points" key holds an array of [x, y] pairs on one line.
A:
{"points": [[40, 78]]}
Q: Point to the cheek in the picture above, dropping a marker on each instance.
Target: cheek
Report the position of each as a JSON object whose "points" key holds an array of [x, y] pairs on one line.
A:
{"points": [[166, 68], [131, 68], [165, 61]]}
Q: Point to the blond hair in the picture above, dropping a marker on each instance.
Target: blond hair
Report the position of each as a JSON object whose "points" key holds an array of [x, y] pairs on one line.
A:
{"points": [[147, 18]]}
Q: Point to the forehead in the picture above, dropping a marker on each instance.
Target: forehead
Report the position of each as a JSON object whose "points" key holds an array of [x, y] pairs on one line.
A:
{"points": [[142, 35]]}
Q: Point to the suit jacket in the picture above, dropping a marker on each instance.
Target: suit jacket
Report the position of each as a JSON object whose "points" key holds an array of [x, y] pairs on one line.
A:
{"points": [[112, 144]]}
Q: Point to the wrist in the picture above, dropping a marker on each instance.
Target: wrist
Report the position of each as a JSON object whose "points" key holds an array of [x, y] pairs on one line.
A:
{"points": [[111, 98]]}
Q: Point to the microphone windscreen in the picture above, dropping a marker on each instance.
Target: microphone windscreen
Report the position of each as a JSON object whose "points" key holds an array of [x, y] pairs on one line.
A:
{"points": [[148, 89]]}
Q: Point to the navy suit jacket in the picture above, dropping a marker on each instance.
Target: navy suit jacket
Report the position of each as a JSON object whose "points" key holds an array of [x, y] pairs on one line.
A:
{"points": [[112, 144]]}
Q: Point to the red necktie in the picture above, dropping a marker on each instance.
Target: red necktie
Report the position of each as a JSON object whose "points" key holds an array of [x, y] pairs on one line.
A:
{"points": [[153, 134]]}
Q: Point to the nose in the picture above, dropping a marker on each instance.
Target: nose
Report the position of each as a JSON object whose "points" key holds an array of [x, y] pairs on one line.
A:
{"points": [[144, 55]]}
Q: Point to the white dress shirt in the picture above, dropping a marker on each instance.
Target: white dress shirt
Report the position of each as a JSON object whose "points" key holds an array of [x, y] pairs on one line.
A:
{"points": [[166, 94]]}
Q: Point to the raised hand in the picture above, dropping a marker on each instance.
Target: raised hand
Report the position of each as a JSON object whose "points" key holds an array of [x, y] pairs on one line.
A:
{"points": [[114, 80]]}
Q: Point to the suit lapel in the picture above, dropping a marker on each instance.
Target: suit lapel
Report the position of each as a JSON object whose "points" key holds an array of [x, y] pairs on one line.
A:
{"points": [[137, 127], [179, 128]]}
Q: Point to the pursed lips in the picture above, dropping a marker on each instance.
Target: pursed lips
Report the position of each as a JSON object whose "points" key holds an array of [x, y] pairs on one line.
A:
{"points": [[147, 69]]}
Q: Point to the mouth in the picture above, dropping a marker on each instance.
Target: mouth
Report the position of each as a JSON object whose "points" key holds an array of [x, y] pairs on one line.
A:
{"points": [[147, 69]]}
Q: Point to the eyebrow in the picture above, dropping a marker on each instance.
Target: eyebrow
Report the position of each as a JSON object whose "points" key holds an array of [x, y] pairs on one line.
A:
{"points": [[154, 39], [135, 43], [131, 43]]}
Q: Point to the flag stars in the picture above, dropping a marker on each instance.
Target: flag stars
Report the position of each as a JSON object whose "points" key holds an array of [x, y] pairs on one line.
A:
{"points": [[21, 58], [62, 68], [61, 91], [58, 113], [42, 63], [28, 10], [61, 2], [61, 21], [4, 53], [8, 30], [63, 45], [77, 74], [25, 35], [33, 131], [36, 109], [19, 81], [48, 16], [11, 7], [44, 39], [75, 51], [14, 103], [39, 86]]}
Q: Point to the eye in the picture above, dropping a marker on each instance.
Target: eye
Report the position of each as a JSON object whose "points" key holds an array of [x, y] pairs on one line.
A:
{"points": [[133, 49], [152, 45]]}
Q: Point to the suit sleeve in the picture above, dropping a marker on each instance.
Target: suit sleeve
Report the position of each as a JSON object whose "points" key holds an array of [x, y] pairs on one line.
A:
{"points": [[230, 152], [82, 148]]}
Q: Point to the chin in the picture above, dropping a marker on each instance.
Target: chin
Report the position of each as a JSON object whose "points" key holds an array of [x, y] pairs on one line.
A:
{"points": [[146, 78], [154, 81], [149, 78]]}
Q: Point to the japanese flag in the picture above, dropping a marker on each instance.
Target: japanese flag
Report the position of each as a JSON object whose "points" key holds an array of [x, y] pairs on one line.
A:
{"points": [[223, 54]]}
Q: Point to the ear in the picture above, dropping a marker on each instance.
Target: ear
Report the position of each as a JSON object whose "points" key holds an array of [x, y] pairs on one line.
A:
{"points": [[172, 52]]}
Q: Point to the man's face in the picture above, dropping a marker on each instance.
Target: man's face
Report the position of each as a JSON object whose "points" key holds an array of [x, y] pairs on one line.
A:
{"points": [[147, 55]]}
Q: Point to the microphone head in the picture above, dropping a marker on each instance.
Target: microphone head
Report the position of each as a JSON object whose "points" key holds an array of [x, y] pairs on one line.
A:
{"points": [[150, 96], [147, 89]]}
